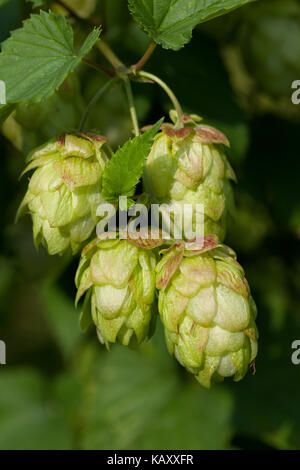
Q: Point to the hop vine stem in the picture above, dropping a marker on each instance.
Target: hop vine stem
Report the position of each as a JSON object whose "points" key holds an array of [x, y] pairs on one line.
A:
{"points": [[67, 8], [110, 56], [119, 68], [132, 109], [169, 92], [100, 67], [121, 71], [140, 64]]}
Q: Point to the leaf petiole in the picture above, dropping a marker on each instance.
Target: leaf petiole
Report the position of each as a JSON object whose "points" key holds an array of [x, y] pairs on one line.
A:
{"points": [[169, 92], [110, 55], [132, 109], [140, 64], [100, 67]]}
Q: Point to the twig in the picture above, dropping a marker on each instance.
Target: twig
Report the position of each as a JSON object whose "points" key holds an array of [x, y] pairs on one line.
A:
{"points": [[169, 92], [140, 64], [96, 66], [110, 55], [132, 109], [68, 9]]}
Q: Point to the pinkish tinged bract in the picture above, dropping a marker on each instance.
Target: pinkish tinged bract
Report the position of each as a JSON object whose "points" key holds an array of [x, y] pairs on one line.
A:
{"points": [[118, 280], [208, 313], [65, 191], [189, 166]]}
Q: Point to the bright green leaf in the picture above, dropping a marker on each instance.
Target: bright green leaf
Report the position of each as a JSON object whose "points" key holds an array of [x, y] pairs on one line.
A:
{"points": [[126, 166], [36, 59], [171, 22]]}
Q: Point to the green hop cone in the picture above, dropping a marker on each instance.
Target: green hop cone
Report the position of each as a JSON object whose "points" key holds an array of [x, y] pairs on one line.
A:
{"points": [[118, 279], [208, 313], [65, 191], [189, 166]]}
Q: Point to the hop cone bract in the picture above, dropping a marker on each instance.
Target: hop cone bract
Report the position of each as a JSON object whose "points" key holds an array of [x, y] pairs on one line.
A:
{"points": [[119, 281], [208, 314], [65, 191]]}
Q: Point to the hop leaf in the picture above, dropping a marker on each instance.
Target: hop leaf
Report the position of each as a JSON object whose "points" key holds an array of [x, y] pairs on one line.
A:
{"points": [[170, 23], [37, 58], [126, 166]]}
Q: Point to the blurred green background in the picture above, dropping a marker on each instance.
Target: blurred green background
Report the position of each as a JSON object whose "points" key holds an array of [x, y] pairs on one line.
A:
{"points": [[60, 388]]}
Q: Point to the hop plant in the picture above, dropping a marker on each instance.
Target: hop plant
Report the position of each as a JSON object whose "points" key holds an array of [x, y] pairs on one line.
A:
{"points": [[207, 310], [204, 299], [119, 281], [64, 191], [189, 166]]}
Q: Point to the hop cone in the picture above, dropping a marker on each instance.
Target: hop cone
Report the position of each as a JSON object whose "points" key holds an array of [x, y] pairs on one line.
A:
{"points": [[208, 313], [119, 280], [189, 166], [64, 191]]}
